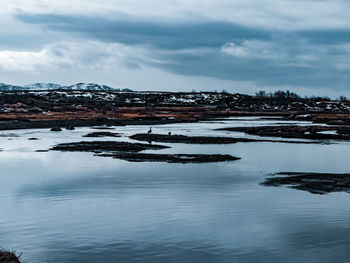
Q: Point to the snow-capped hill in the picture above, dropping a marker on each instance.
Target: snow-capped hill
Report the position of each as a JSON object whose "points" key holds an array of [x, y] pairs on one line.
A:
{"points": [[88, 86], [53, 86], [43, 86], [8, 87]]}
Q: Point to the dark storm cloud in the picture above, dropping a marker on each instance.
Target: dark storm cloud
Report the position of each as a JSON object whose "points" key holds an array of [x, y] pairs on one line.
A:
{"points": [[161, 35]]}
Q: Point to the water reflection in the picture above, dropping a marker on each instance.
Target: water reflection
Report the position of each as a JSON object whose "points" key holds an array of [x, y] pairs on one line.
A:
{"points": [[75, 207]]}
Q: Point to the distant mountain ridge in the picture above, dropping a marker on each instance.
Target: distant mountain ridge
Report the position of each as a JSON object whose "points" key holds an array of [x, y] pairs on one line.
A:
{"points": [[53, 86]]}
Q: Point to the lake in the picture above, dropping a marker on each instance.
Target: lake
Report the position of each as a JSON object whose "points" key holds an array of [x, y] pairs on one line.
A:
{"points": [[76, 207]]}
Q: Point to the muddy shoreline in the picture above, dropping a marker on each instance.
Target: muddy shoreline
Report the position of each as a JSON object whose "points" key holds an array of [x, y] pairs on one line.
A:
{"points": [[48, 124], [31, 109], [21, 116], [20, 122]]}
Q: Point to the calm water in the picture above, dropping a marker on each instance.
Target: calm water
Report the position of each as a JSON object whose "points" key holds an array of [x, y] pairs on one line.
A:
{"points": [[74, 207]]}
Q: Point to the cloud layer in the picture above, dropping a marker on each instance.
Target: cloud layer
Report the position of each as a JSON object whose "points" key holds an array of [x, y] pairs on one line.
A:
{"points": [[301, 45]]}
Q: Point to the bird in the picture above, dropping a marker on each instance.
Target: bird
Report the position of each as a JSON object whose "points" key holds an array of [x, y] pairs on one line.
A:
{"points": [[150, 130], [169, 133]]}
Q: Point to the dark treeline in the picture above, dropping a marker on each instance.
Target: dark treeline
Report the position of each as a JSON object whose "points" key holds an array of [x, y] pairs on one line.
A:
{"points": [[288, 95]]}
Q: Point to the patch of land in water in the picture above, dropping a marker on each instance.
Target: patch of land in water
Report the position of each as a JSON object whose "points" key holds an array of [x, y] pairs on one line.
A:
{"points": [[103, 128], [130, 152], [151, 137], [202, 139], [316, 183], [297, 132], [171, 158], [101, 146], [101, 134]]}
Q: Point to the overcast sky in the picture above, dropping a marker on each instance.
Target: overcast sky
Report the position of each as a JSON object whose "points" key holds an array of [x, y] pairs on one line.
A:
{"points": [[182, 45]]}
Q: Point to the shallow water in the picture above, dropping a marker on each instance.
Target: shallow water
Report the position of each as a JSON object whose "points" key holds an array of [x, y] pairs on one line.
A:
{"points": [[75, 207]]}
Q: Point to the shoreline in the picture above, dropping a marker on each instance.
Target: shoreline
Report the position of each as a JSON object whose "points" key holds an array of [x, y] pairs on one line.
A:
{"points": [[60, 109], [39, 121], [43, 124]]}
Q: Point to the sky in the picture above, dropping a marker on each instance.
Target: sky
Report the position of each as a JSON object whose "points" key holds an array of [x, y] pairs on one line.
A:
{"points": [[179, 45]]}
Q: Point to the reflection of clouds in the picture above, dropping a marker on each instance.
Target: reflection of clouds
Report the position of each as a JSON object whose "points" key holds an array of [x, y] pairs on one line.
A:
{"points": [[323, 237], [74, 207], [316, 243], [8, 135], [123, 176], [149, 251]]}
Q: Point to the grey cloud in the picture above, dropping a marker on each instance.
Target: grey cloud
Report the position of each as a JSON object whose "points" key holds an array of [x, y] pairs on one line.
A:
{"points": [[272, 58], [161, 35], [325, 37]]}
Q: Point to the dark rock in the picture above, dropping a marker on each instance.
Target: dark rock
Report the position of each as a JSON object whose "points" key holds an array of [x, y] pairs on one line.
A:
{"points": [[33, 139], [70, 128], [102, 134], [56, 129]]}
